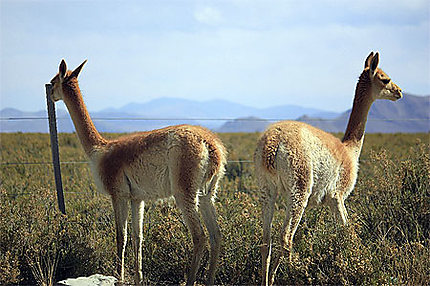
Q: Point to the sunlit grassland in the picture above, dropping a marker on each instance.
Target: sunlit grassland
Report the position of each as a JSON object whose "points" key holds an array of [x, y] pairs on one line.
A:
{"points": [[386, 242]]}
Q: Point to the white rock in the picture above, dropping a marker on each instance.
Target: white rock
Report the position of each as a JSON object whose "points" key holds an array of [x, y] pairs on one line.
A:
{"points": [[93, 280]]}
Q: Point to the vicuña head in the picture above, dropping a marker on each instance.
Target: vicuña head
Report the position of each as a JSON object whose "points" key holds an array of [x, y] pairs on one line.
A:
{"points": [[64, 79], [308, 166], [382, 86], [182, 161]]}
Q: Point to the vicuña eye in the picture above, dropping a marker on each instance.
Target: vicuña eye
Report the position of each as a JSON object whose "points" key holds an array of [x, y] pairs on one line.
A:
{"points": [[385, 80]]}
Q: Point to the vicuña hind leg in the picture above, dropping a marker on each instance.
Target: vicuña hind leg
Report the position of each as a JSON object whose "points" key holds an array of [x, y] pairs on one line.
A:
{"points": [[188, 207], [137, 209], [295, 209], [120, 207], [337, 207], [342, 212], [267, 216], [209, 216]]}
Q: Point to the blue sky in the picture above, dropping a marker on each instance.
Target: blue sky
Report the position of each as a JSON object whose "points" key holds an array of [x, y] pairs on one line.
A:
{"points": [[258, 53]]}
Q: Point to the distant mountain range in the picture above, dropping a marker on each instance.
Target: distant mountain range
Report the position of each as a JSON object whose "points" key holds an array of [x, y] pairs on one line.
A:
{"points": [[410, 114]]}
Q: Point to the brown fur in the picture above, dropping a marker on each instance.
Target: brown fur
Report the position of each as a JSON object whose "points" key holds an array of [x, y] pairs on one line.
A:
{"points": [[270, 143], [271, 139], [89, 136], [124, 151], [360, 109], [127, 149], [192, 138]]}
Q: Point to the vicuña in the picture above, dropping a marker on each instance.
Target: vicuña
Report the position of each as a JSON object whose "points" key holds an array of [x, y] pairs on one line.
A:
{"points": [[182, 161], [308, 166]]}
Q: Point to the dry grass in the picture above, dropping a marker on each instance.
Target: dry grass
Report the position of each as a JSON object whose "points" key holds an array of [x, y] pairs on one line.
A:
{"points": [[386, 242]]}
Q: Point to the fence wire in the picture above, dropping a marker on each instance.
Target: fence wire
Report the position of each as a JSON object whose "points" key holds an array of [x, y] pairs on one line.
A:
{"points": [[87, 162], [210, 119]]}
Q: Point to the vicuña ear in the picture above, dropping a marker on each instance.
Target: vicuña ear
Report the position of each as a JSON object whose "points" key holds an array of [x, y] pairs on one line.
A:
{"points": [[62, 69], [368, 60], [77, 70], [374, 64]]}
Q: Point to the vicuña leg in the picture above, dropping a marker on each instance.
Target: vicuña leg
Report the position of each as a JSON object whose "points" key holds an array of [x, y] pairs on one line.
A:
{"points": [[296, 206], [337, 206], [191, 217], [120, 207], [209, 216], [266, 247], [137, 209]]}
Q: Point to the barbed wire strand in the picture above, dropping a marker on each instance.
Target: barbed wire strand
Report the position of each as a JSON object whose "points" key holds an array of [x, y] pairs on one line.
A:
{"points": [[87, 162], [210, 119]]}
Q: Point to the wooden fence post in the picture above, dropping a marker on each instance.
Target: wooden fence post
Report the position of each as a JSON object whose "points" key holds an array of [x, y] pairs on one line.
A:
{"points": [[54, 148]]}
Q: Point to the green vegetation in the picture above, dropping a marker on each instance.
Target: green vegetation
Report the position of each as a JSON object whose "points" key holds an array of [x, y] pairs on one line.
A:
{"points": [[386, 242]]}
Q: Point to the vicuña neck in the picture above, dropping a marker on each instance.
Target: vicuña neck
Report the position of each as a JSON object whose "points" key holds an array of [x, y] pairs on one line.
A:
{"points": [[84, 126], [354, 134]]}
